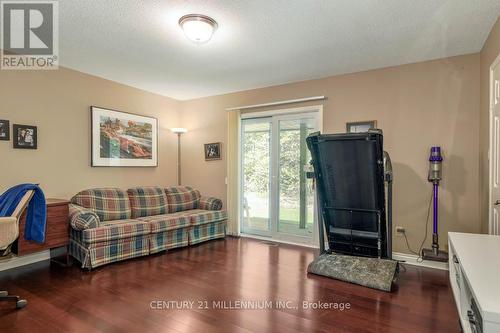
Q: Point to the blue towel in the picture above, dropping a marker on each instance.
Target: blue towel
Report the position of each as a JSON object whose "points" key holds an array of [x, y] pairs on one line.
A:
{"points": [[37, 210]]}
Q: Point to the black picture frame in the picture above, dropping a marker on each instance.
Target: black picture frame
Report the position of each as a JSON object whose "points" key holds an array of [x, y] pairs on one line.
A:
{"points": [[213, 151], [4, 130], [360, 126], [97, 161], [26, 140]]}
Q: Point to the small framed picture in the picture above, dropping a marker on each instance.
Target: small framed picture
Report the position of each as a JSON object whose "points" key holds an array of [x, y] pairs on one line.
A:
{"points": [[361, 126], [4, 130], [24, 136], [212, 151]]}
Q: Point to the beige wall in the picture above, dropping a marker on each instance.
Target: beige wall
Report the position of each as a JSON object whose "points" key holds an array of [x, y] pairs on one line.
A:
{"points": [[417, 106], [58, 102], [490, 51]]}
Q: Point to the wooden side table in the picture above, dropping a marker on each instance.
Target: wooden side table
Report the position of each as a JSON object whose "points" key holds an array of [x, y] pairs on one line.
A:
{"points": [[56, 231]]}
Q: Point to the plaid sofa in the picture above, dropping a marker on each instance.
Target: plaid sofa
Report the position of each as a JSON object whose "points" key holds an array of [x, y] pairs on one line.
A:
{"points": [[110, 224]]}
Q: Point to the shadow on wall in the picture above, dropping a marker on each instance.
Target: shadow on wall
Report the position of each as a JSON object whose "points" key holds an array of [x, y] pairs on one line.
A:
{"points": [[453, 175], [411, 198]]}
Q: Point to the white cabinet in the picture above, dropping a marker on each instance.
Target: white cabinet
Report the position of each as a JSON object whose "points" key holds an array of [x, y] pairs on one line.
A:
{"points": [[475, 280]]}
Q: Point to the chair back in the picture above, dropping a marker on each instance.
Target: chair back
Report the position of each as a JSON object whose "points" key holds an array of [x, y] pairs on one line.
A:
{"points": [[9, 226], [21, 206]]}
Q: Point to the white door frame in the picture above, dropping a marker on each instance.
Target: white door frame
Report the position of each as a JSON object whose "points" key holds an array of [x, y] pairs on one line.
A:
{"points": [[491, 145], [278, 236], [280, 114]]}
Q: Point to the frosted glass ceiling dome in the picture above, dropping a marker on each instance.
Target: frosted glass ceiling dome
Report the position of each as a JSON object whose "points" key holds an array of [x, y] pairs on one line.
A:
{"points": [[198, 28]]}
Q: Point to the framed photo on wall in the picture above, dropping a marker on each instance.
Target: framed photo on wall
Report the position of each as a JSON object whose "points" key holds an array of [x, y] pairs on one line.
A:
{"points": [[25, 136], [361, 126], [123, 139], [212, 151], [4, 130]]}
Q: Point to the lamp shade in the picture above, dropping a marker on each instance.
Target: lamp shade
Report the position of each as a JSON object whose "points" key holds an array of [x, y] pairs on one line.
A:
{"points": [[178, 130]]}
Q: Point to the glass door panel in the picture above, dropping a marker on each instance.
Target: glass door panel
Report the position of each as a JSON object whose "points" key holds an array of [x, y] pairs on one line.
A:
{"points": [[296, 196], [255, 180], [277, 200]]}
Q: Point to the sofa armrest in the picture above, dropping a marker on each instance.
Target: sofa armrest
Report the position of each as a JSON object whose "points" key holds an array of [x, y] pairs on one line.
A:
{"points": [[210, 203], [82, 218]]}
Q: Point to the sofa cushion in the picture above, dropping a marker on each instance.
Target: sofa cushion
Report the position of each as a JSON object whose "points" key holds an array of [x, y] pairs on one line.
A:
{"points": [[112, 230], [208, 216], [180, 198], [147, 201], [165, 222], [108, 203], [199, 216]]}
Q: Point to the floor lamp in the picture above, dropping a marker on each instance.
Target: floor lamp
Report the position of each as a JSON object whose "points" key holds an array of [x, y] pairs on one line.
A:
{"points": [[179, 131]]}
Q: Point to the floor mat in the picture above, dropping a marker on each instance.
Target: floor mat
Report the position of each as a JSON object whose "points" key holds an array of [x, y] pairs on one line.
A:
{"points": [[369, 272]]}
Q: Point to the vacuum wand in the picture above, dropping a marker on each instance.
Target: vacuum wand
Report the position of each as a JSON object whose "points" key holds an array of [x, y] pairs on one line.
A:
{"points": [[435, 176]]}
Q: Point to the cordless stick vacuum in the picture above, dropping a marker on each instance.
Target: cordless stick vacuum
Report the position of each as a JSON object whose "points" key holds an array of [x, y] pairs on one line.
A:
{"points": [[435, 175]]}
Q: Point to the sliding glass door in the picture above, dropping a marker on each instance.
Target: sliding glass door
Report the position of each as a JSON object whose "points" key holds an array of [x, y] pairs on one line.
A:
{"points": [[277, 198], [256, 176]]}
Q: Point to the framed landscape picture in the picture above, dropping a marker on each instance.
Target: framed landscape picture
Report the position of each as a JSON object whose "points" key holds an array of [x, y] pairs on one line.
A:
{"points": [[4, 130], [123, 139], [212, 151], [25, 136]]}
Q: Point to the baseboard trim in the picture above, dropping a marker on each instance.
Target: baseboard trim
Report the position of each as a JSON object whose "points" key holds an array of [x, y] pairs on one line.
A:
{"points": [[412, 259], [275, 240], [15, 261], [409, 259]]}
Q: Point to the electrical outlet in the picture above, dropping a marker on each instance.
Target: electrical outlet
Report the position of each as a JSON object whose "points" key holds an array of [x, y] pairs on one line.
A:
{"points": [[400, 230]]}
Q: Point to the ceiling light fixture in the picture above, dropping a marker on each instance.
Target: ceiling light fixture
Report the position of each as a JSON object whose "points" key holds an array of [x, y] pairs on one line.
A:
{"points": [[198, 28]]}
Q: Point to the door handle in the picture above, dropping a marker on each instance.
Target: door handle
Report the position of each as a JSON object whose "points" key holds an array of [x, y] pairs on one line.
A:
{"points": [[497, 203]]}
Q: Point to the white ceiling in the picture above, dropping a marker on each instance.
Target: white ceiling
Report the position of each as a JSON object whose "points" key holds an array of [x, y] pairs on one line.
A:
{"points": [[262, 42]]}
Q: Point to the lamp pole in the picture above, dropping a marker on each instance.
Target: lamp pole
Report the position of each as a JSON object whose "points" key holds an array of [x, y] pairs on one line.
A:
{"points": [[179, 132], [179, 182]]}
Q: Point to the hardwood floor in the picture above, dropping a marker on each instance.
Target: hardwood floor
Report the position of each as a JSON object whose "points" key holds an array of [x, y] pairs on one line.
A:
{"points": [[118, 297]]}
